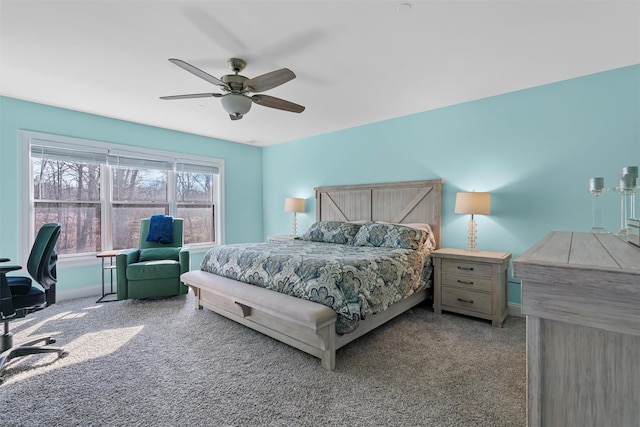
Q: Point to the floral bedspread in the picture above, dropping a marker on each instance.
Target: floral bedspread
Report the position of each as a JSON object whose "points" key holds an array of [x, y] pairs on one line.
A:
{"points": [[355, 281]]}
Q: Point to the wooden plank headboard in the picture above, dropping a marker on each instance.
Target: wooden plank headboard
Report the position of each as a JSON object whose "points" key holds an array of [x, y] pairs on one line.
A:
{"points": [[399, 202]]}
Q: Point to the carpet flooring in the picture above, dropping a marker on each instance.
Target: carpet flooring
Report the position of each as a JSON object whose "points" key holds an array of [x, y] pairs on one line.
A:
{"points": [[164, 363]]}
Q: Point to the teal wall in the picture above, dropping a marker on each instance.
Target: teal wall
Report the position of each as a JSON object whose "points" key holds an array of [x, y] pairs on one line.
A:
{"points": [[534, 150], [243, 171]]}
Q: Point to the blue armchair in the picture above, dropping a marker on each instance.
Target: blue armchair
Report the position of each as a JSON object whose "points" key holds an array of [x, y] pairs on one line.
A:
{"points": [[153, 270]]}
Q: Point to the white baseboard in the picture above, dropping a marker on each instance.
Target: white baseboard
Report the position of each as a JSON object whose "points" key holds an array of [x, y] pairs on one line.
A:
{"points": [[515, 310], [83, 292]]}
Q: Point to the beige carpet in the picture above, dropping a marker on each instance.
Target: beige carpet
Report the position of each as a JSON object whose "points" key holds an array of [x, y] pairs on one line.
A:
{"points": [[163, 363]]}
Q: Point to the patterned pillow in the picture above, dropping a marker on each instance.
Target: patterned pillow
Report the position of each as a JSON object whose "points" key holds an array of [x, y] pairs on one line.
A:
{"points": [[430, 242], [390, 236], [332, 232]]}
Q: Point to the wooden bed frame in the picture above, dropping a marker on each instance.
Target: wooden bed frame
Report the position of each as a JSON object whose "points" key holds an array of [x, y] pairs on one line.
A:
{"points": [[307, 325]]}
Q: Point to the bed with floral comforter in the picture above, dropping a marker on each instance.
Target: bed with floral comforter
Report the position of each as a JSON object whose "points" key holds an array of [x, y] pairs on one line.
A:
{"points": [[355, 270], [346, 277]]}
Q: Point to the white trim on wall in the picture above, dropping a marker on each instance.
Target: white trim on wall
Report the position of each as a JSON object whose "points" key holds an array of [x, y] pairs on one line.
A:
{"points": [[515, 310]]}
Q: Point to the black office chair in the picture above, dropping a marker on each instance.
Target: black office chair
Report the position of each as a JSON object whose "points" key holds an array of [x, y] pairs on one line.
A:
{"points": [[19, 297]]}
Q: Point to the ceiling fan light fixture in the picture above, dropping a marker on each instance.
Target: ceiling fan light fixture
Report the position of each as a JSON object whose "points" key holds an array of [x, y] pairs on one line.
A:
{"points": [[236, 105], [236, 99]]}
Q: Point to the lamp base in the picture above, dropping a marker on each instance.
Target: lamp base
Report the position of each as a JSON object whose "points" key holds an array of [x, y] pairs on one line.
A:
{"points": [[295, 226], [471, 246]]}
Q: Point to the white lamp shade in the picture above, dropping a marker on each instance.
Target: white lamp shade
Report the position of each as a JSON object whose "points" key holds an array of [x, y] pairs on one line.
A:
{"points": [[294, 204], [236, 104], [475, 203]]}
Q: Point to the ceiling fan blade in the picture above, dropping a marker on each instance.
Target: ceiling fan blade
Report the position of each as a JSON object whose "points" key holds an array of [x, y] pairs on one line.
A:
{"points": [[277, 103], [198, 72], [194, 95], [269, 80]]}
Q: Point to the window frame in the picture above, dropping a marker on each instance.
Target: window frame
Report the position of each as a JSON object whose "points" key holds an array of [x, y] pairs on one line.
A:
{"points": [[27, 200]]}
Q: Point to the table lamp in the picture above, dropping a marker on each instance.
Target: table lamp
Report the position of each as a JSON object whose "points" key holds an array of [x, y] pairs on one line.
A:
{"points": [[294, 205], [474, 203]]}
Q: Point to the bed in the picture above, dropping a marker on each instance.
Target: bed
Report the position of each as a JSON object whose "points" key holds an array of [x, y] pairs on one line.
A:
{"points": [[322, 314]]}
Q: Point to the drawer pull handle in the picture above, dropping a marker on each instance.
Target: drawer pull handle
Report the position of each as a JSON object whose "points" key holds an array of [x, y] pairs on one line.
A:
{"points": [[465, 268], [468, 301], [464, 282]]}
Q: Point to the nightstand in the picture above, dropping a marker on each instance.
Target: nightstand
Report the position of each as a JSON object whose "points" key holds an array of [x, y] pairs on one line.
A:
{"points": [[471, 282], [281, 238]]}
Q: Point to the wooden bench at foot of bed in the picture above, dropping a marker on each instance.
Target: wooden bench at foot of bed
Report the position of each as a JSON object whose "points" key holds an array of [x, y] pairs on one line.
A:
{"points": [[305, 325]]}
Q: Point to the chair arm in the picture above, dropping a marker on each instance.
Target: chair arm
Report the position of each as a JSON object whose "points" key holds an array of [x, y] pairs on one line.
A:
{"points": [[123, 259], [7, 268], [6, 297], [184, 260]]}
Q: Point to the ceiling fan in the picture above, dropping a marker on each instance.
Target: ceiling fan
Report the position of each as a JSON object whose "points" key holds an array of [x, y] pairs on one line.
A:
{"points": [[236, 99]]}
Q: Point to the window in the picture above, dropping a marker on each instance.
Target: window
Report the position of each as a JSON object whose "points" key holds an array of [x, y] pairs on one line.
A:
{"points": [[100, 192], [68, 192], [194, 190]]}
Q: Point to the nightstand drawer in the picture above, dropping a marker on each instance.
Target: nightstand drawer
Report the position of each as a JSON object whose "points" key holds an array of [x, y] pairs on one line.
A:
{"points": [[468, 282], [467, 268], [467, 300]]}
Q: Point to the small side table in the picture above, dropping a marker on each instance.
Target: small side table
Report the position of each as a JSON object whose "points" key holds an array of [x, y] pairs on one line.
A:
{"points": [[111, 266], [471, 282]]}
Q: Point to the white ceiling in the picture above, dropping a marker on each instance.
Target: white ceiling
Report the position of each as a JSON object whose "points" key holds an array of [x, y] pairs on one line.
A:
{"points": [[356, 62]]}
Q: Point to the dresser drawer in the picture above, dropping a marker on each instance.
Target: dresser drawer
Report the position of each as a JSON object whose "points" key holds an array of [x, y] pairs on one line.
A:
{"points": [[467, 300], [467, 268], [472, 283]]}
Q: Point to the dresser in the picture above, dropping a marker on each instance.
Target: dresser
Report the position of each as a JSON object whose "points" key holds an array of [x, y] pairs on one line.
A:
{"points": [[471, 282], [581, 297]]}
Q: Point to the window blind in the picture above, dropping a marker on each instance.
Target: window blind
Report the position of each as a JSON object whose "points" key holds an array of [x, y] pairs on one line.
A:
{"points": [[70, 153]]}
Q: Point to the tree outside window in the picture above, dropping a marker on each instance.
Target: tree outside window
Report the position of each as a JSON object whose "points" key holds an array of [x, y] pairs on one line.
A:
{"points": [[69, 193]]}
